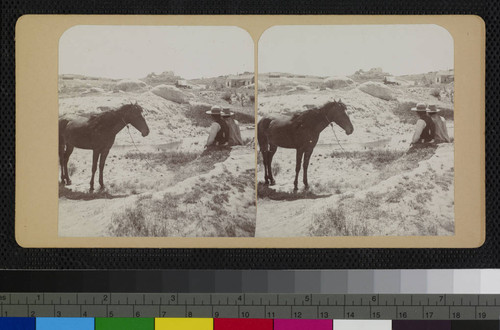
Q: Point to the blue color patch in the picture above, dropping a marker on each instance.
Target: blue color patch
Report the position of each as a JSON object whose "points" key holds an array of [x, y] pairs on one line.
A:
{"points": [[17, 323], [65, 323]]}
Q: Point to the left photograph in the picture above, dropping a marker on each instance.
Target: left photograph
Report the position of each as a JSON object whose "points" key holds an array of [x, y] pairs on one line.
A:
{"points": [[156, 132]]}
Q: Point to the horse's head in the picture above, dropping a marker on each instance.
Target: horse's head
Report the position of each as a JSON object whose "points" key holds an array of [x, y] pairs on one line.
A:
{"points": [[132, 114], [336, 112]]}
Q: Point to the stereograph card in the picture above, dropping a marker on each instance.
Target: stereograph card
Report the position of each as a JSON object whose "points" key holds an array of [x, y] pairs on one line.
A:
{"points": [[250, 131]]}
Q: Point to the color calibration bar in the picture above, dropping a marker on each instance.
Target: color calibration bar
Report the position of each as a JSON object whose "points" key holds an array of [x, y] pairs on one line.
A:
{"points": [[446, 281], [234, 324]]}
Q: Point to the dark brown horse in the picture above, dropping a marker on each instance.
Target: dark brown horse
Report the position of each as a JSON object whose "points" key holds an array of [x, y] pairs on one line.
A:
{"points": [[299, 132], [95, 132]]}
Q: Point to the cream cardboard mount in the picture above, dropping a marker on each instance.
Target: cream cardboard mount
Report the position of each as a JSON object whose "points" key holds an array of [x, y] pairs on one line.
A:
{"points": [[157, 81]]}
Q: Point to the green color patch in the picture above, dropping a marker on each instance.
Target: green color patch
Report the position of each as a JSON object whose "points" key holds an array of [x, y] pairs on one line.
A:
{"points": [[124, 323]]}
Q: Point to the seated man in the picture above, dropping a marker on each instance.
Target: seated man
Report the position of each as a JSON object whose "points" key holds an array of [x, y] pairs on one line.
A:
{"points": [[234, 137], [441, 132], [219, 130], [424, 128]]}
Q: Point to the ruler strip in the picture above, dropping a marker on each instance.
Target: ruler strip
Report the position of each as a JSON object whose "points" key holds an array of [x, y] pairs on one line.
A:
{"points": [[252, 305]]}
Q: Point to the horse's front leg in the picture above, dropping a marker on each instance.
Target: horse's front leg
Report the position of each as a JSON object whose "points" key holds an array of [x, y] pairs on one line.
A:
{"points": [[307, 157], [95, 157], [264, 161], [298, 162], [102, 162], [272, 151]]}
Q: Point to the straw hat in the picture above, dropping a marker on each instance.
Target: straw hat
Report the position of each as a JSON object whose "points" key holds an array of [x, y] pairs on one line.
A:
{"points": [[421, 107], [215, 110], [433, 109], [226, 112]]}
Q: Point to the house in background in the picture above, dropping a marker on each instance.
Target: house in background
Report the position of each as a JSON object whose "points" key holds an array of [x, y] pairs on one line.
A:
{"points": [[240, 80], [390, 80], [182, 84], [445, 77]]}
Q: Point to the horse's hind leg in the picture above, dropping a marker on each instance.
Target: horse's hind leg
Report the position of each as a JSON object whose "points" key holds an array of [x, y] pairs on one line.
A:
{"points": [[95, 157], [307, 157], [102, 161], [67, 153], [61, 159], [298, 163], [272, 151]]}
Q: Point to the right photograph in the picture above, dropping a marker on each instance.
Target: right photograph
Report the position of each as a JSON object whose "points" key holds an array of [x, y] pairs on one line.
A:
{"points": [[355, 131]]}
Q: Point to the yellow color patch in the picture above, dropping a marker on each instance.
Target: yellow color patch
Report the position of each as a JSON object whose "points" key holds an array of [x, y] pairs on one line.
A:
{"points": [[183, 324]]}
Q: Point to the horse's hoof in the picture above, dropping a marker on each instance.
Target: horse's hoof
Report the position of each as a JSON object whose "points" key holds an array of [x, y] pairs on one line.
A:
{"points": [[68, 183], [91, 190], [295, 189], [266, 183], [306, 187], [272, 183]]}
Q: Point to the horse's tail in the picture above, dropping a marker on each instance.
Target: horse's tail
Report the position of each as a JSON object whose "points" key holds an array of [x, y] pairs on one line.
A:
{"points": [[262, 128], [63, 122]]}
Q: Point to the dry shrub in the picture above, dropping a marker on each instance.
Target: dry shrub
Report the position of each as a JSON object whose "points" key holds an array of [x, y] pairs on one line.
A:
{"points": [[436, 92], [226, 96], [404, 113]]}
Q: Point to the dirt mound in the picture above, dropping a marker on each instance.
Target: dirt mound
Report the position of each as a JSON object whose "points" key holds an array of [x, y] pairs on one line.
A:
{"points": [[377, 90], [337, 82], [303, 88], [96, 90], [130, 85], [200, 107], [170, 93]]}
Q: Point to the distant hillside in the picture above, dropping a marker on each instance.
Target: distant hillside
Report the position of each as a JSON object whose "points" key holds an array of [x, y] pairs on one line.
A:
{"points": [[287, 75], [70, 76], [425, 78], [216, 82], [374, 74], [166, 77]]}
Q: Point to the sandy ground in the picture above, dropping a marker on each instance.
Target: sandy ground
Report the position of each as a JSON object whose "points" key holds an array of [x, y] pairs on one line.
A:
{"points": [[340, 184], [129, 178], [92, 218]]}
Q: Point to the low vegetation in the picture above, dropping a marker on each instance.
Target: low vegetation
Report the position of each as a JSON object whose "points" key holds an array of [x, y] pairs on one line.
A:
{"points": [[212, 208], [170, 158], [403, 208], [265, 191], [68, 193], [404, 113], [379, 158]]}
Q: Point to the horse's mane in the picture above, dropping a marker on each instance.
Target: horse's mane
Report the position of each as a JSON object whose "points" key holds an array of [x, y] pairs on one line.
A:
{"points": [[310, 114], [102, 119]]}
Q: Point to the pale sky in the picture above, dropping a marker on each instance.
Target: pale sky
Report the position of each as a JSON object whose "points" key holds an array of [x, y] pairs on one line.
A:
{"points": [[135, 51], [343, 49]]}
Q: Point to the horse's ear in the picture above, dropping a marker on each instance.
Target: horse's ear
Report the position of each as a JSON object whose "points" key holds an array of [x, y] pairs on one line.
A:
{"points": [[340, 101]]}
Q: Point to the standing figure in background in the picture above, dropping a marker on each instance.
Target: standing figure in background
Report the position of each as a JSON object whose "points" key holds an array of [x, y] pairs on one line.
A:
{"points": [[441, 132]]}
